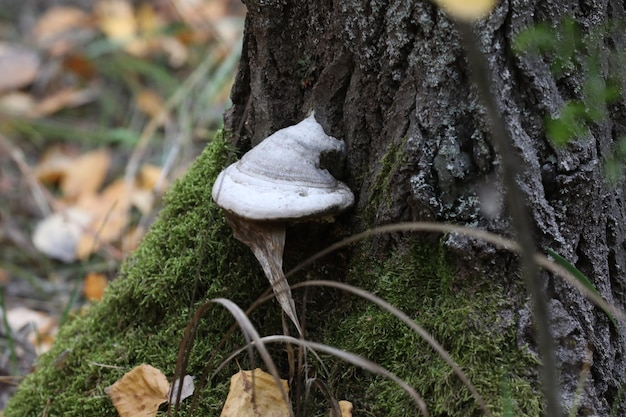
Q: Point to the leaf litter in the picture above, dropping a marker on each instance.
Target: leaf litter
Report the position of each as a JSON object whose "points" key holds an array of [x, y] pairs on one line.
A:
{"points": [[144, 389], [85, 206]]}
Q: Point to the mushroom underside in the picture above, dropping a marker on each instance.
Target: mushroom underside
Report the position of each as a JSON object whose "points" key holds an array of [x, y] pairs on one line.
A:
{"points": [[267, 242]]}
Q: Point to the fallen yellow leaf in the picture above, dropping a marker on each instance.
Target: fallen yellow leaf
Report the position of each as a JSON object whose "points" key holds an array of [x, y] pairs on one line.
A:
{"points": [[151, 103], [143, 200], [148, 20], [94, 285], [149, 176], [53, 164], [150, 185], [139, 392], [66, 97], [85, 174], [346, 408], [56, 21], [116, 19], [263, 399], [110, 217], [467, 10]]}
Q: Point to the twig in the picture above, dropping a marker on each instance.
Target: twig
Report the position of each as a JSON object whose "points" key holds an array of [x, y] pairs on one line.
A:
{"points": [[496, 240], [42, 197]]}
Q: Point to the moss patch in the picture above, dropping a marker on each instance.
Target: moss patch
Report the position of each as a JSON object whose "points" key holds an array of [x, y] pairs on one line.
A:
{"points": [[187, 258], [190, 256], [382, 183], [469, 318]]}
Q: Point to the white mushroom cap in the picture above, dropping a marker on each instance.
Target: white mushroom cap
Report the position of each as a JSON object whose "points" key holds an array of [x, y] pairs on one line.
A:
{"points": [[280, 179]]}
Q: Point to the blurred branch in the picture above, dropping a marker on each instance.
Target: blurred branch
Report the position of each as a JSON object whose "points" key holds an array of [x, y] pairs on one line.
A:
{"points": [[502, 141]]}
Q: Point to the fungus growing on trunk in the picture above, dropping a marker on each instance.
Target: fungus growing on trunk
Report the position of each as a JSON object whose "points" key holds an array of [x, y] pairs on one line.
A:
{"points": [[280, 181]]}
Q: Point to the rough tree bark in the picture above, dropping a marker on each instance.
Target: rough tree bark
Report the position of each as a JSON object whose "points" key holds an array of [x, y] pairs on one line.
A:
{"points": [[391, 79]]}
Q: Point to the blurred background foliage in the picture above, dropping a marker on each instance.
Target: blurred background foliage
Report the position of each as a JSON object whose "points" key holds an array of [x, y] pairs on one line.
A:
{"points": [[590, 54]]}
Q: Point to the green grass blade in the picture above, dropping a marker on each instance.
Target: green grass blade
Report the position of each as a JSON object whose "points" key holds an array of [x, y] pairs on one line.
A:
{"points": [[9, 334]]}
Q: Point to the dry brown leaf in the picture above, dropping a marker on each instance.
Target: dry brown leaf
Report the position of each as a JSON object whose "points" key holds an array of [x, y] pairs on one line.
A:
{"points": [[118, 190], [147, 19], [110, 217], [150, 177], [116, 19], [139, 392], [197, 13], [151, 28], [19, 66], [58, 19], [86, 174], [151, 103], [55, 22], [67, 97], [53, 164], [24, 105], [345, 408], [4, 276], [143, 200], [80, 65], [94, 285], [40, 328], [225, 19], [268, 399], [149, 184]]}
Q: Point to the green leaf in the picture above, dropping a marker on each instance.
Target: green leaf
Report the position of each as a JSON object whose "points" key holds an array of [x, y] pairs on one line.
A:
{"points": [[613, 170], [535, 39], [568, 46], [569, 125], [621, 147]]}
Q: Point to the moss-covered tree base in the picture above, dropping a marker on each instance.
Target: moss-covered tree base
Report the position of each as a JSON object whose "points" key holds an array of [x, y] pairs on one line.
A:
{"points": [[189, 257]]}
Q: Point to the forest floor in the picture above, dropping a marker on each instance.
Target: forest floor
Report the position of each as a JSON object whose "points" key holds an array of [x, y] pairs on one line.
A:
{"points": [[102, 105]]}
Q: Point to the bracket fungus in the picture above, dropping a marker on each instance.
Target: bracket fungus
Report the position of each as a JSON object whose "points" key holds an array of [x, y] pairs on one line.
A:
{"points": [[280, 181]]}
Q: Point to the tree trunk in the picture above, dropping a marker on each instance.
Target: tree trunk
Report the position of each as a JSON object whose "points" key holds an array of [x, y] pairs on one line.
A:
{"points": [[391, 78]]}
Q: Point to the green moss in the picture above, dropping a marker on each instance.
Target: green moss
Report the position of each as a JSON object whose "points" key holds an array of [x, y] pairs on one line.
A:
{"points": [[381, 188], [187, 258], [468, 317]]}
